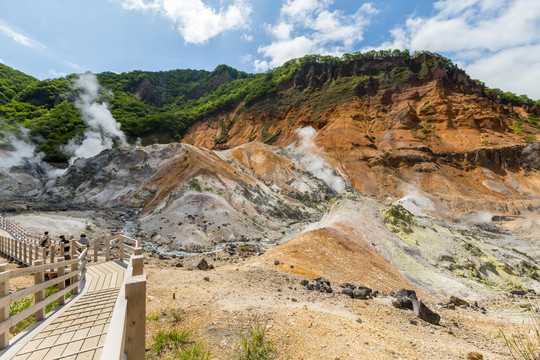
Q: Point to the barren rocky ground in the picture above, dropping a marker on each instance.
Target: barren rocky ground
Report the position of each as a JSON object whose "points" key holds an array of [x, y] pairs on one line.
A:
{"points": [[221, 305]]}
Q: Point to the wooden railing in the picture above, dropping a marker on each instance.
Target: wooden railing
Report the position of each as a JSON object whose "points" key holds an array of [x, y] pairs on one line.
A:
{"points": [[67, 275], [126, 336], [18, 232], [113, 247]]}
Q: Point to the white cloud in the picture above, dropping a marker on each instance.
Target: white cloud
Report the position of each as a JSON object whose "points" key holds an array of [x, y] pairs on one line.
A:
{"points": [[57, 73], [309, 26], [494, 40], [2, 61], [73, 65], [196, 21], [20, 38]]}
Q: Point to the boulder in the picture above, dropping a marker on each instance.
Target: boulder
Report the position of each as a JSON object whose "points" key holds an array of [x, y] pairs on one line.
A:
{"points": [[423, 312], [203, 265], [454, 300], [362, 293]]}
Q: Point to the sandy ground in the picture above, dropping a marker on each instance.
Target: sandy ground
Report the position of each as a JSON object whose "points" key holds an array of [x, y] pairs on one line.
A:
{"points": [[302, 324]]}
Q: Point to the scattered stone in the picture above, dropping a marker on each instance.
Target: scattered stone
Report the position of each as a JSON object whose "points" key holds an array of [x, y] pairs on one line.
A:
{"points": [[458, 302], [413, 322], [424, 313], [203, 265], [292, 266], [294, 300], [404, 299], [347, 286], [518, 292], [347, 291], [304, 282], [276, 262], [206, 278], [362, 293], [319, 284], [473, 355], [179, 264], [163, 257], [359, 321]]}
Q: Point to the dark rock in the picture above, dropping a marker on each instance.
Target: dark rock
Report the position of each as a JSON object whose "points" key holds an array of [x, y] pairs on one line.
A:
{"points": [[406, 293], [304, 282], [163, 257], [320, 284], [404, 299], [473, 355], [179, 264], [276, 262], [203, 265], [206, 278], [347, 291], [347, 286], [518, 292], [424, 313], [458, 302], [362, 293]]}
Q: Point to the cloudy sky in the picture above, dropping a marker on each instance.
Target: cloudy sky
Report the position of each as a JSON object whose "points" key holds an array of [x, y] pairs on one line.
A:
{"points": [[496, 41]]}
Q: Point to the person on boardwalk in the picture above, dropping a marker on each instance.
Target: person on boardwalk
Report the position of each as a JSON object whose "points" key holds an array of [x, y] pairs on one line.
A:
{"points": [[45, 240], [84, 241], [63, 242]]}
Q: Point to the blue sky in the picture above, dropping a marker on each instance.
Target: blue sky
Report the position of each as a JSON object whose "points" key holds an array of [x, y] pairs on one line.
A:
{"points": [[496, 41]]}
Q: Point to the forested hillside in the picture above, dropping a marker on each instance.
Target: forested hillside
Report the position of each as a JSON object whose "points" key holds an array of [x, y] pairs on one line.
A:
{"points": [[160, 106]]}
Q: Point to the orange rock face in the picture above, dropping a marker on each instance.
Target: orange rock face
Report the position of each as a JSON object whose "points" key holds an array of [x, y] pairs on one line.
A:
{"points": [[433, 136]]}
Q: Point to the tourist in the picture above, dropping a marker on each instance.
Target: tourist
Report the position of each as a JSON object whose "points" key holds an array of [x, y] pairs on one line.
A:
{"points": [[63, 242], [84, 241]]}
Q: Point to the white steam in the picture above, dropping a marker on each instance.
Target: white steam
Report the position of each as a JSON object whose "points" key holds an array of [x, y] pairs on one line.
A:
{"points": [[482, 217], [313, 163], [414, 201], [102, 129], [23, 150]]}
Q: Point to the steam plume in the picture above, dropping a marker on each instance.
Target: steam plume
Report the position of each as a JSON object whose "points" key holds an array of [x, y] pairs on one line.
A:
{"points": [[414, 201], [23, 150], [102, 129], [314, 163]]}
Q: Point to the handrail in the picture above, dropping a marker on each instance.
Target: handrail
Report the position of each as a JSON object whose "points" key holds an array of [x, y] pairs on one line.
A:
{"points": [[73, 270], [126, 336]]}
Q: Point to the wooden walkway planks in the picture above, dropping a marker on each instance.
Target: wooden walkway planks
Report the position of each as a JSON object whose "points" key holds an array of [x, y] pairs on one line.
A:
{"points": [[80, 331]]}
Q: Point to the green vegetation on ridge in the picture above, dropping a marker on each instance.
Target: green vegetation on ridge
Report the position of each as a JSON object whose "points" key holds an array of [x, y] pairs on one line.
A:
{"points": [[160, 106]]}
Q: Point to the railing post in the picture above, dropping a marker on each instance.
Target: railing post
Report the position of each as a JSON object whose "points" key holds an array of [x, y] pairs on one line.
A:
{"points": [[53, 249], [4, 312], [25, 256], [61, 284], [63, 251], [137, 251], [44, 254], [137, 263], [121, 246], [39, 277], [75, 266], [95, 251], [107, 249], [135, 317]]}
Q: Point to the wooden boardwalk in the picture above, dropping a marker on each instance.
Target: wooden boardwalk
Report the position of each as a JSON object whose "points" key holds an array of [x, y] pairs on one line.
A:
{"points": [[78, 332]]}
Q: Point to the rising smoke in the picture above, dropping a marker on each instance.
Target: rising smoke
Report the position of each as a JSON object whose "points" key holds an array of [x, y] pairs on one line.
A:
{"points": [[414, 201], [17, 150], [102, 130], [315, 164]]}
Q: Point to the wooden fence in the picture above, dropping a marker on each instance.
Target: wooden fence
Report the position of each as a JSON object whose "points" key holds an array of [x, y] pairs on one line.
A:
{"points": [[126, 336], [67, 275]]}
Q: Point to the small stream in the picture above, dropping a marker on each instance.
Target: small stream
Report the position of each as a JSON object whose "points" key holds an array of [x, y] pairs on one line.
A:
{"points": [[130, 229]]}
